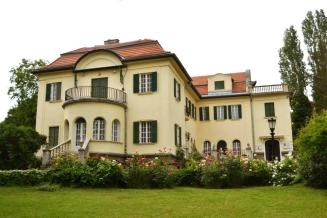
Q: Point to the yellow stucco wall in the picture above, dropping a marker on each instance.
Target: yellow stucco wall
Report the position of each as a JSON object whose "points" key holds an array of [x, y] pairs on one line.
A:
{"points": [[160, 106]]}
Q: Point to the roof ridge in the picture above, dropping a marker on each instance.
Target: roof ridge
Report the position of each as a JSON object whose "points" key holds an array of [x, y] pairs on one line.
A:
{"points": [[134, 43]]}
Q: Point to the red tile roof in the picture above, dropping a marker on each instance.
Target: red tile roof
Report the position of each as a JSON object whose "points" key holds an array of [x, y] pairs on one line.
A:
{"points": [[126, 50], [238, 85]]}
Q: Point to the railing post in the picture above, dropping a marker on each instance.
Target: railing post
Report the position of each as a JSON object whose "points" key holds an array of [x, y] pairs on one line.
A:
{"points": [[81, 155], [46, 157]]}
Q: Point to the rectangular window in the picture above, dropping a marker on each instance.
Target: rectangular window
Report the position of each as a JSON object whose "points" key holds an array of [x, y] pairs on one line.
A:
{"points": [[204, 113], [53, 91], [269, 109], [219, 85], [220, 112], [53, 136], [235, 112], [178, 135], [145, 82], [177, 90], [145, 132]]}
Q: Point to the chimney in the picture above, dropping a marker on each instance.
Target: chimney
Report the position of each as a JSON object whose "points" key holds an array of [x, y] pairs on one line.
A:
{"points": [[111, 41]]}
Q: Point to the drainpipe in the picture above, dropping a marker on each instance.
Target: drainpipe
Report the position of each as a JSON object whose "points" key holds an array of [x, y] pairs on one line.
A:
{"points": [[125, 132], [252, 121]]}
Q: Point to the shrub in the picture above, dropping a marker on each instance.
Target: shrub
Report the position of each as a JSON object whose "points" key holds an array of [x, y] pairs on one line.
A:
{"points": [[18, 145], [22, 177], [189, 176], [312, 151], [284, 172], [256, 172]]}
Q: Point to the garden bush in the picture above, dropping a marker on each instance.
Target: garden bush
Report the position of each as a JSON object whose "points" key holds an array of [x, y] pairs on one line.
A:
{"points": [[22, 177], [284, 172], [312, 151], [256, 172]]}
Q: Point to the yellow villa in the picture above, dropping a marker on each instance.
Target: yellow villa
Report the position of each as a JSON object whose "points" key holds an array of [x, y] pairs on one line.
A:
{"points": [[117, 99]]}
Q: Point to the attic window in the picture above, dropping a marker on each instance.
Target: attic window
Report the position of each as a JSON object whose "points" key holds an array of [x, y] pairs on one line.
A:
{"points": [[219, 85]]}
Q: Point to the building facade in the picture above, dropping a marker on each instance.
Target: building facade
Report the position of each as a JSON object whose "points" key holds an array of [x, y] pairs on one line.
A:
{"points": [[118, 99]]}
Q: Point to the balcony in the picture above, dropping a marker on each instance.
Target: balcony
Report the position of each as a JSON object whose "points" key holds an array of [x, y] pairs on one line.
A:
{"points": [[269, 89], [98, 94]]}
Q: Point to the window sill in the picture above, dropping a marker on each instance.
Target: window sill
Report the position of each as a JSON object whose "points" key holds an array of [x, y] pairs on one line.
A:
{"points": [[150, 143], [270, 117], [145, 93], [107, 141], [55, 101], [236, 119]]}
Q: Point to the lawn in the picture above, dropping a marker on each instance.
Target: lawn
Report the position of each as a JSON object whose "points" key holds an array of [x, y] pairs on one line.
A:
{"points": [[291, 201]]}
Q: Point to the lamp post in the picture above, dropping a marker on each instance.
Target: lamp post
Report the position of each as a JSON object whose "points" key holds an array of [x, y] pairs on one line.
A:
{"points": [[272, 124]]}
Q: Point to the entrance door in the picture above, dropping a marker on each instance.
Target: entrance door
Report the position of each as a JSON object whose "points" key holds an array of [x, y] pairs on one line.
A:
{"points": [[99, 88], [272, 150], [221, 147]]}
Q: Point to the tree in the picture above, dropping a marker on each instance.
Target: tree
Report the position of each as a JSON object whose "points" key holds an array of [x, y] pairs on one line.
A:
{"points": [[314, 29], [293, 73], [23, 89], [18, 145], [312, 151]]}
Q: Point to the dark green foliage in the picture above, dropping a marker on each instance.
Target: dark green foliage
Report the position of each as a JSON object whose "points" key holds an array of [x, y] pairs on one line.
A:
{"points": [[95, 173], [22, 177], [24, 82], [302, 110], [314, 28], [294, 74], [195, 154], [24, 113], [256, 173], [189, 176], [312, 150], [18, 145]]}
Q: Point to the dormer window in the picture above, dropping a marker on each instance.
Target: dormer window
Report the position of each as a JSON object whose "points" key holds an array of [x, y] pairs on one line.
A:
{"points": [[219, 85]]}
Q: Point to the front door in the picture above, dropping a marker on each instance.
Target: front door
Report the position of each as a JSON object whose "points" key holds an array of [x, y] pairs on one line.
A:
{"points": [[272, 150], [221, 147], [99, 88]]}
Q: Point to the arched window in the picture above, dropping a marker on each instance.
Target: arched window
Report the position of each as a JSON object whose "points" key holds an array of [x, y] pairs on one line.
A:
{"points": [[221, 147], [207, 148], [80, 131], [98, 129], [115, 130], [237, 147]]}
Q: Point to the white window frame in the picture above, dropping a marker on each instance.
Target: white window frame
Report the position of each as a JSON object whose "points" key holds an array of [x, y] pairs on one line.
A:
{"points": [[237, 147], [99, 129], [145, 132], [207, 147], [235, 114], [115, 130], [220, 112], [80, 133], [53, 91], [145, 82]]}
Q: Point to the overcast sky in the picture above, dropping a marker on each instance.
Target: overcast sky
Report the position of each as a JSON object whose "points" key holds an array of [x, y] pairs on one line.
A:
{"points": [[208, 36]]}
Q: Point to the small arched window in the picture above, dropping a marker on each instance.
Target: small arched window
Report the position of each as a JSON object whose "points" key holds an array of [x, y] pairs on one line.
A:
{"points": [[207, 148], [80, 131], [221, 147], [115, 130], [237, 147], [98, 129]]}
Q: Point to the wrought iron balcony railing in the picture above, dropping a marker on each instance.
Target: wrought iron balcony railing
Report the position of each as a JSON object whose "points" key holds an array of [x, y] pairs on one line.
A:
{"points": [[95, 92]]}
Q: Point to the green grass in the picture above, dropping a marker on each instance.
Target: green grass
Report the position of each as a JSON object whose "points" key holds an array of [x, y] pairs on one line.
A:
{"points": [[291, 201]]}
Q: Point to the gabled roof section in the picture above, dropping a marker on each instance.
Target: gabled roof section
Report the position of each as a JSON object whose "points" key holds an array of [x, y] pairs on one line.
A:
{"points": [[238, 84], [126, 50]]}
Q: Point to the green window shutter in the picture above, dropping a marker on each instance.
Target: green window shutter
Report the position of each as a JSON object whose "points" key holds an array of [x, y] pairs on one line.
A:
{"points": [[195, 113], [219, 85], [48, 92], [154, 129], [179, 91], [201, 115], [53, 136], [269, 109], [136, 132], [154, 82], [58, 91], [180, 136], [239, 111], [225, 112], [215, 112], [175, 134], [207, 112], [229, 112], [175, 88], [136, 78]]}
